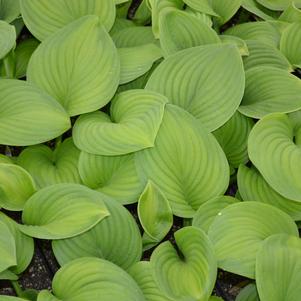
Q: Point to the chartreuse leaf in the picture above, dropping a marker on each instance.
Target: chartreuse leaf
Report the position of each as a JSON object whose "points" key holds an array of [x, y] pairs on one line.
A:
{"points": [[24, 245], [278, 4], [253, 187], [49, 167], [155, 214], [8, 275], [43, 19], [6, 159], [124, 249], [262, 54], [142, 272], [225, 9], [186, 183], [259, 31], [180, 30], [270, 90], [254, 7], [28, 115], [207, 212], [94, 279], [202, 80], [248, 293], [61, 211], [7, 38], [291, 14], [78, 66], [122, 9], [239, 43], [136, 61], [9, 10], [290, 43], [233, 138], [115, 176], [121, 24], [201, 16], [203, 6], [187, 274], [239, 230], [274, 150], [278, 268], [135, 119], [45, 295], [16, 187], [7, 248]]}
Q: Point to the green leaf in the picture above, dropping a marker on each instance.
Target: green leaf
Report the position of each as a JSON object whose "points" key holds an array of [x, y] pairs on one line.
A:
{"points": [[258, 31], [253, 187], [6, 159], [278, 4], [128, 130], [142, 272], [10, 298], [291, 14], [124, 249], [121, 24], [207, 19], [155, 214], [270, 90], [49, 167], [7, 38], [186, 163], [290, 44], [8, 275], [215, 298], [136, 61], [61, 211], [190, 272], [28, 115], [239, 43], [94, 279], [254, 7], [278, 268], [202, 80], [24, 245], [225, 9], [43, 19], [142, 14], [239, 230], [207, 212], [233, 138], [78, 66], [248, 293], [9, 10], [16, 187], [276, 155], [7, 248], [180, 30], [262, 54], [203, 6]]}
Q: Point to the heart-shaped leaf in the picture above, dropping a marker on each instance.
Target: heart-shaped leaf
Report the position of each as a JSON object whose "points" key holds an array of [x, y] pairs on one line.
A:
{"points": [[180, 30], [28, 115], [94, 279], [127, 130], [186, 163], [190, 272], [155, 214], [233, 138], [7, 38], [248, 293], [16, 186], [290, 44], [202, 80], [239, 230], [270, 90], [207, 212], [278, 4], [276, 154], [124, 250], [279, 258], [49, 167], [9, 10], [61, 211], [24, 245], [43, 20], [253, 187], [78, 66]]}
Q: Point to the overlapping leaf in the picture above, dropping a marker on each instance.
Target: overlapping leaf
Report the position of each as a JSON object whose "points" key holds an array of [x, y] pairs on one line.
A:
{"points": [[49, 167], [186, 162], [6, 159], [278, 4], [248, 293], [203, 6], [9, 10], [135, 119], [259, 10], [61, 211], [124, 249], [291, 14], [239, 43], [78, 66], [43, 19], [239, 230], [207, 81], [7, 38], [225, 9], [28, 115]]}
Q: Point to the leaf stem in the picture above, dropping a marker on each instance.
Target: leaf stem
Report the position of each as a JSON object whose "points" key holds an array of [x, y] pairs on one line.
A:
{"points": [[17, 288]]}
